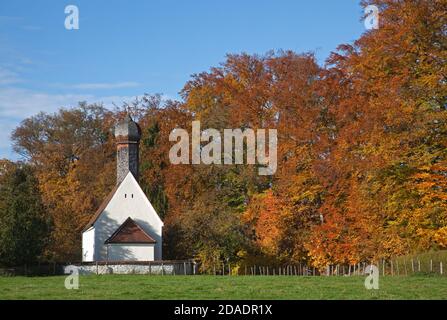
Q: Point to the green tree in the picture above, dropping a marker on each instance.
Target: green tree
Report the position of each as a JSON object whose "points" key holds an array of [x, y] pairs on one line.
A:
{"points": [[24, 229]]}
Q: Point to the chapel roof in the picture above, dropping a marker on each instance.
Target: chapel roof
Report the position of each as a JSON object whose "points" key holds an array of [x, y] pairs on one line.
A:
{"points": [[109, 198], [130, 232], [101, 208]]}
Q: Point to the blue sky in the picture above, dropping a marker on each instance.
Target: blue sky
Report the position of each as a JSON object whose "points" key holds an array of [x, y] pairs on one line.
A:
{"points": [[127, 48]]}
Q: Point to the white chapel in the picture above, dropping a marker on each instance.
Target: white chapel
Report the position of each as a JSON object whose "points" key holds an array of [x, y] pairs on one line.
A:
{"points": [[125, 227]]}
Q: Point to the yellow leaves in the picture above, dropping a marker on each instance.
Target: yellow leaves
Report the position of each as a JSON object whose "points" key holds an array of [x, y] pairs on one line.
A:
{"points": [[264, 214], [440, 237], [431, 183]]}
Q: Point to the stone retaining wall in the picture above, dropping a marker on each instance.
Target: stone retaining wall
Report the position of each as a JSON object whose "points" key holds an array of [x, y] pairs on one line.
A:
{"points": [[155, 269]]}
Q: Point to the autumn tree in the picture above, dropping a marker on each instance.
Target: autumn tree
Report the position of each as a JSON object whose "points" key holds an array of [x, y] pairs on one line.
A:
{"points": [[362, 160], [72, 152], [386, 96]]}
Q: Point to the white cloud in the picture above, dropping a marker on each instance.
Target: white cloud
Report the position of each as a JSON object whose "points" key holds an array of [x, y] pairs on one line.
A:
{"points": [[10, 18], [22, 103], [8, 77], [6, 128], [31, 28], [17, 104], [104, 85]]}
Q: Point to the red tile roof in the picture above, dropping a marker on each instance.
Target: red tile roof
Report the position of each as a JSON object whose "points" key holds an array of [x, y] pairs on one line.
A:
{"points": [[130, 232]]}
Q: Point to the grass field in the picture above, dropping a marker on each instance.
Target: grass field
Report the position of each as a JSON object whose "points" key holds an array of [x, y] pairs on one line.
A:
{"points": [[215, 287]]}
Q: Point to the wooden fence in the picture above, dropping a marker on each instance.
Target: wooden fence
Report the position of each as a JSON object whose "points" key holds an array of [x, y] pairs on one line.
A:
{"points": [[393, 267], [43, 269]]}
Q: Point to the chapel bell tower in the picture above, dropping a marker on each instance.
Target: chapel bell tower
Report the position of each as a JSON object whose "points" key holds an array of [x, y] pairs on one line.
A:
{"points": [[127, 134]]}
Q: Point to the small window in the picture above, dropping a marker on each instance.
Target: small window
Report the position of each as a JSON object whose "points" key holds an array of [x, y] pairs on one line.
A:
{"points": [[125, 195], [132, 195]]}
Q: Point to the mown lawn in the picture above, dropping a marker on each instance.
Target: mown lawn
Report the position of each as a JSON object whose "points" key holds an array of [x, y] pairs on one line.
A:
{"points": [[218, 287]]}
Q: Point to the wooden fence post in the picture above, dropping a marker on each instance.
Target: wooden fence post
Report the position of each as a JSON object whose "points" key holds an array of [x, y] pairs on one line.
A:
{"points": [[392, 268], [431, 265], [419, 265], [440, 267]]}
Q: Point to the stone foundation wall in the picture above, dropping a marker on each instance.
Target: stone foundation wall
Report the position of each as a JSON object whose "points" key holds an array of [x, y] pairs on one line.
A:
{"points": [[154, 269]]}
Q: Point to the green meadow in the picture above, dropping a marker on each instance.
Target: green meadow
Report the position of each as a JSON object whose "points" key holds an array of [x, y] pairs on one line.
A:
{"points": [[204, 287]]}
